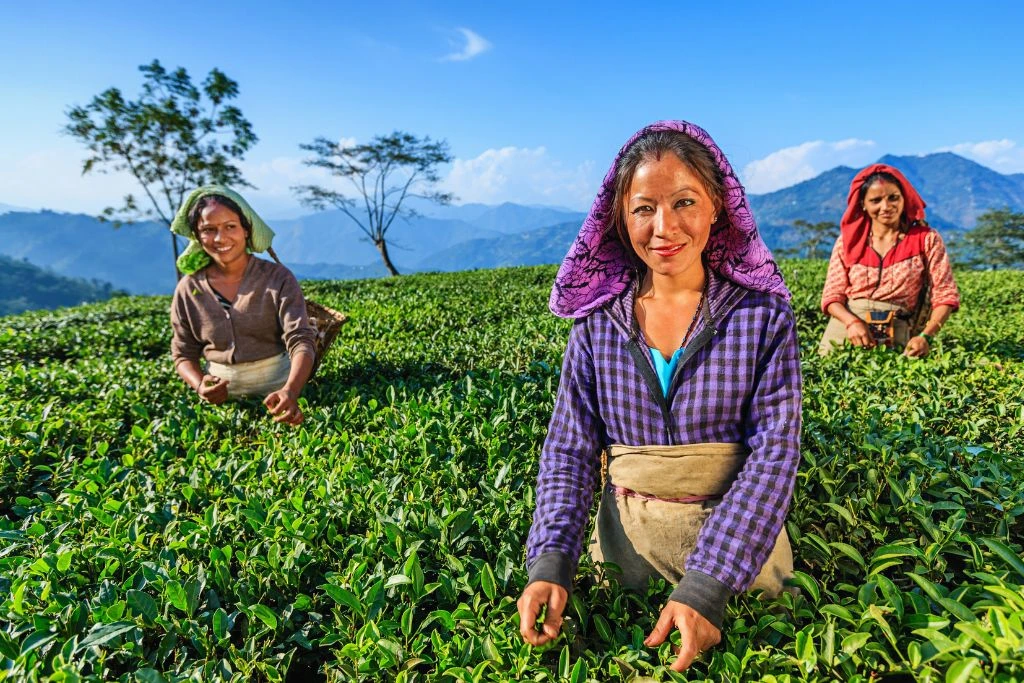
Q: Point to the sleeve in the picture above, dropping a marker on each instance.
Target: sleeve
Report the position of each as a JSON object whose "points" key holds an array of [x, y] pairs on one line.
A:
{"points": [[569, 470], [741, 531], [837, 282], [185, 345], [295, 328], [944, 289]]}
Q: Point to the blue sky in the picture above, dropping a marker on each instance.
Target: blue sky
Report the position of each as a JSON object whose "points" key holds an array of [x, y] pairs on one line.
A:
{"points": [[534, 98]]}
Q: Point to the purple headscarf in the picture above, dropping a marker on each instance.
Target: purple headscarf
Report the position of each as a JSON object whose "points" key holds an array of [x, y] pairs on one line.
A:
{"points": [[597, 269]]}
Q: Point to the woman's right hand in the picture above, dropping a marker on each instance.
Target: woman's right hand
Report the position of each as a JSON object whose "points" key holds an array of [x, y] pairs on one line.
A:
{"points": [[859, 334], [213, 389], [535, 597]]}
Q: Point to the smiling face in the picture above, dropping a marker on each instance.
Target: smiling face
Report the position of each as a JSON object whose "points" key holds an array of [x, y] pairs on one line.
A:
{"points": [[883, 204], [222, 235], [668, 215]]}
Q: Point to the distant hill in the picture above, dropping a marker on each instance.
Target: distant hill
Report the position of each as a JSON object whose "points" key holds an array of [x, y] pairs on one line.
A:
{"points": [[136, 258], [533, 248], [329, 245], [25, 287]]}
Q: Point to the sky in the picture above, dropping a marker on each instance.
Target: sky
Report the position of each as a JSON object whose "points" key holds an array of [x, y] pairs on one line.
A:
{"points": [[534, 99]]}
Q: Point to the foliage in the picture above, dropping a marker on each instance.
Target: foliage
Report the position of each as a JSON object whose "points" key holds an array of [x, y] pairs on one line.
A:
{"points": [[384, 173], [147, 537], [814, 239], [172, 139], [997, 241], [25, 286]]}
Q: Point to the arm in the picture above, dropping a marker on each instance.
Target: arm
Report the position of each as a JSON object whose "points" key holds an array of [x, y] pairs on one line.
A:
{"points": [[741, 531], [568, 474], [298, 338], [186, 349], [833, 299], [945, 296]]}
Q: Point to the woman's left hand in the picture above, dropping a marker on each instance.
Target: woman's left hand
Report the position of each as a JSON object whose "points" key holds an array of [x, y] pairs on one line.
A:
{"points": [[917, 347], [284, 407], [697, 633]]}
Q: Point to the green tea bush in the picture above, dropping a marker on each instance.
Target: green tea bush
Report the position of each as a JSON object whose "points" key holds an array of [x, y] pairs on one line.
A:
{"points": [[145, 536]]}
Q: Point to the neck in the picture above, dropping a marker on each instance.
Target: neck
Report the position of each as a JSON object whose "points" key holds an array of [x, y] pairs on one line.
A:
{"points": [[234, 270], [882, 230], [674, 286]]}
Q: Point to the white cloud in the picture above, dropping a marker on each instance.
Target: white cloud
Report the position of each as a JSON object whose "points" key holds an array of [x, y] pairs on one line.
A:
{"points": [[1000, 155], [524, 176], [474, 45], [792, 165]]}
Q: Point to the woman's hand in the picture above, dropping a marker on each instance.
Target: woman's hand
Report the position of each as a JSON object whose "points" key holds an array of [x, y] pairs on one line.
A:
{"points": [[697, 633], [859, 334], [284, 406], [213, 389], [917, 347], [534, 598]]}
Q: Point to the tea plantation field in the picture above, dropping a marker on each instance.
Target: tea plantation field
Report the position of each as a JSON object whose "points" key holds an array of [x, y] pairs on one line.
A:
{"points": [[145, 536]]}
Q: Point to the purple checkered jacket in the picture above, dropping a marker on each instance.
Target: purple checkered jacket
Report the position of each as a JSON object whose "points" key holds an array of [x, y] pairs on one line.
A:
{"points": [[738, 381]]}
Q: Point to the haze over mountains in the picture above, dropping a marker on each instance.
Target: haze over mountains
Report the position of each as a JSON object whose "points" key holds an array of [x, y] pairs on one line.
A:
{"points": [[137, 258]]}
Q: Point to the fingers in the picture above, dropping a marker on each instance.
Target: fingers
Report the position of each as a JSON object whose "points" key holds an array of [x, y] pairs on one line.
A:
{"points": [[688, 652], [661, 630], [536, 596]]}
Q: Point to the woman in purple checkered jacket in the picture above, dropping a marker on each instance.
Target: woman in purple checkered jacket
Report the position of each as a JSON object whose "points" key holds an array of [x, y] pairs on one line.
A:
{"points": [[679, 396]]}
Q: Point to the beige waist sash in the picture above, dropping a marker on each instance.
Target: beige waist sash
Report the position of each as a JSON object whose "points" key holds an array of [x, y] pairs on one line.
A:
{"points": [[647, 534], [257, 378], [835, 332]]}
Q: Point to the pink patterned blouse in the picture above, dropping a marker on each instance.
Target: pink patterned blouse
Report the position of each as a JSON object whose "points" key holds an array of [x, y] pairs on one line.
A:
{"points": [[897, 278]]}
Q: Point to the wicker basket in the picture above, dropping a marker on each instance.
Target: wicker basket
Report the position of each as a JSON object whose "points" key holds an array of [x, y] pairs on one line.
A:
{"points": [[325, 322]]}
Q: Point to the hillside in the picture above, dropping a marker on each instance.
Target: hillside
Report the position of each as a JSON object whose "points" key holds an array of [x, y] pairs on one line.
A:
{"points": [[25, 287], [137, 258], [147, 536]]}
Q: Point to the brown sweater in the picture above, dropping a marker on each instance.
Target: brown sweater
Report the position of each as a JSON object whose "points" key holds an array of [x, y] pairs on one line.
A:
{"points": [[267, 317]]}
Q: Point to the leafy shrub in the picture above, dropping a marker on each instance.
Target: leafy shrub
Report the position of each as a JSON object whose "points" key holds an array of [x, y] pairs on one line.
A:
{"points": [[145, 536]]}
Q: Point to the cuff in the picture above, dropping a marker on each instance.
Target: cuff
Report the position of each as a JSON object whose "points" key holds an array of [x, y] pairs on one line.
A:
{"points": [[552, 566], [834, 300], [705, 594]]}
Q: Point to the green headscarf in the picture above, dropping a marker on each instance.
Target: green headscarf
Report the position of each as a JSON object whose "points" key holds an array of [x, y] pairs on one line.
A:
{"points": [[194, 258]]}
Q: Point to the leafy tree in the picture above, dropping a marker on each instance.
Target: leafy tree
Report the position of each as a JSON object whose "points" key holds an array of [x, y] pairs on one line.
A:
{"points": [[383, 173], [814, 239], [173, 138], [997, 241]]}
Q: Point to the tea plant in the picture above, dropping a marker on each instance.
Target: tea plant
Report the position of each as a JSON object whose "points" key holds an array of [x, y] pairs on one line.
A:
{"points": [[145, 536]]}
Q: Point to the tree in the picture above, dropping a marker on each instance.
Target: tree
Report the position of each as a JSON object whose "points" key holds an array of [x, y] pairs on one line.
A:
{"points": [[172, 139], [997, 241], [384, 173], [815, 239]]}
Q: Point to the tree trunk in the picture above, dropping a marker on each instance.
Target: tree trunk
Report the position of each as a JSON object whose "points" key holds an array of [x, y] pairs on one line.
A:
{"points": [[174, 243], [382, 247]]}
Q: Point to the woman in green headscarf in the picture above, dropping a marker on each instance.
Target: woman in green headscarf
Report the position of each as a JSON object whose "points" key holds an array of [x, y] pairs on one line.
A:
{"points": [[245, 316]]}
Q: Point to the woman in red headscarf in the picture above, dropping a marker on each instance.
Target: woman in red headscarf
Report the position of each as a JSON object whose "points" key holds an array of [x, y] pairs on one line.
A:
{"points": [[887, 267]]}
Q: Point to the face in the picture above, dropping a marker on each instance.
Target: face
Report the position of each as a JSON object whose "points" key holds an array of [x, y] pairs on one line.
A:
{"points": [[883, 203], [221, 234], [669, 215]]}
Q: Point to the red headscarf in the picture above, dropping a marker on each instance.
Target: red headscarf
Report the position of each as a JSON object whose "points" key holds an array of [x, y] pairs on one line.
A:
{"points": [[856, 226]]}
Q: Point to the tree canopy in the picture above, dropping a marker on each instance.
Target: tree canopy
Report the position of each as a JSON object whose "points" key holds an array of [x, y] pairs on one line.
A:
{"points": [[383, 173], [814, 240], [997, 240], [173, 138]]}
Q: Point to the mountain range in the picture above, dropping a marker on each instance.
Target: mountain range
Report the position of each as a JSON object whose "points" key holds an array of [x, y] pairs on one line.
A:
{"points": [[329, 245]]}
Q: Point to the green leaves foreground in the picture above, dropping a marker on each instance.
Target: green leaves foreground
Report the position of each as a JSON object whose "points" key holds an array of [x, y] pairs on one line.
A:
{"points": [[147, 537]]}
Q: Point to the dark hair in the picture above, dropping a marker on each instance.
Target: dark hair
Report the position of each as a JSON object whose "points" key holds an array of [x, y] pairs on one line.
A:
{"points": [[652, 146], [196, 212], [884, 176]]}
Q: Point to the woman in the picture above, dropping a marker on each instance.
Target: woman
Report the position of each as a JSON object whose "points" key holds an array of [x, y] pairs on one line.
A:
{"points": [[683, 367], [887, 266], [244, 315]]}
